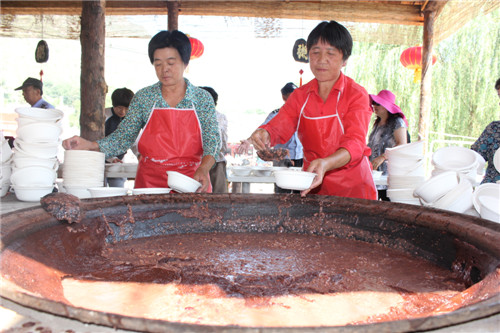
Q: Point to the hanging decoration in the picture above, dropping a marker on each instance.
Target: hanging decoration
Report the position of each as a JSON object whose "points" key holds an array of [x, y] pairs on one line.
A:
{"points": [[411, 58], [42, 52], [300, 54], [197, 48]]}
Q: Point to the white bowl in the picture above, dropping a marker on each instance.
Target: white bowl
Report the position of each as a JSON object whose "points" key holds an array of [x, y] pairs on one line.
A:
{"points": [[151, 190], [6, 172], [402, 182], [434, 188], [410, 149], [182, 183], [6, 151], [455, 158], [490, 208], [487, 189], [4, 189], [33, 176], [22, 121], [41, 150], [262, 171], [459, 199], [22, 161], [100, 192], [39, 132], [40, 114], [401, 194], [31, 193], [241, 171], [78, 191], [496, 160], [293, 179]]}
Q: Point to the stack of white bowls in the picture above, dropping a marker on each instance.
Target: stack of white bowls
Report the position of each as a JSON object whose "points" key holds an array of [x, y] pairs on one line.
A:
{"points": [[459, 159], [486, 200], [448, 190], [83, 169], [6, 159], [405, 172], [34, 164]]}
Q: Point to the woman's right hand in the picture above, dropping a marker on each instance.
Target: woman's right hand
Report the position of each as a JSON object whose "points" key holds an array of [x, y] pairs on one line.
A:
{"points": [[78, 143], [244, 146], [260, 139]]}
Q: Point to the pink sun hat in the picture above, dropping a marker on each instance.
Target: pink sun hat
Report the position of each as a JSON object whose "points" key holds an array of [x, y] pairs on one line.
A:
{"points": [[386, 98]]}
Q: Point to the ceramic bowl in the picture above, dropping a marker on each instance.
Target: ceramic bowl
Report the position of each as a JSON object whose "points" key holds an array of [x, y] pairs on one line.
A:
{"points": [[408, 150], [40, 150], [39, 133], [293, 179], [6, 172], [459, 199], [31, 193], [151, 190], [21, 161], [487, 189], [6, 151], [490, 209], [455, 158], [100, 192], [241, 171], [182, 183], [33, 176], [435, 187], [262, 171], [40, 114]]}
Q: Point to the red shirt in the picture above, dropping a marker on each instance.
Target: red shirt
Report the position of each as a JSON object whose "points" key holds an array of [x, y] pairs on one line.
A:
{"points": [[352, 107]]}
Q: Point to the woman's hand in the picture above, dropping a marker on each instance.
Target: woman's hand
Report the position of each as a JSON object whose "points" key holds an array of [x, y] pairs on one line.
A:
{"points": [[260, 139], [319, 167], [79, 143], [202, 173], [244, 146], [377, 161]]}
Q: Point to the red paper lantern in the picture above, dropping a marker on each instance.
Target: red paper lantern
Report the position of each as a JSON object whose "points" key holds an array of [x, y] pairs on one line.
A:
{"points": [[197, 48], [411, 58]]}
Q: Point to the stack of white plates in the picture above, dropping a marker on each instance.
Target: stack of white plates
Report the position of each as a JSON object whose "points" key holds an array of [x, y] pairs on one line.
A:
{"points": [[35, 152], [405, 171], [459, 159], [82, 169]]}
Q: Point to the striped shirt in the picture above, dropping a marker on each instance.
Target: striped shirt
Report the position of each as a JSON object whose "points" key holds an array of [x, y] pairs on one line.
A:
{"points": [[140, 108]]}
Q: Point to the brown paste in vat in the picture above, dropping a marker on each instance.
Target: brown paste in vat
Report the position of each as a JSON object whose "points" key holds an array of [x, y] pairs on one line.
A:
{"points": [[240, 279]]}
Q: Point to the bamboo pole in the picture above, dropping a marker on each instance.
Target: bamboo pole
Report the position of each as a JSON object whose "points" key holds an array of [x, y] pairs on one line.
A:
{"points": [[93, 85]]}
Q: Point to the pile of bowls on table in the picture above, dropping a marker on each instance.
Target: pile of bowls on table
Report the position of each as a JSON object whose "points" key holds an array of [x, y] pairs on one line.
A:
{"points": [[6, 159], [486, 201], [83, 169], [405, 172], [34, 163], [462, 160]]}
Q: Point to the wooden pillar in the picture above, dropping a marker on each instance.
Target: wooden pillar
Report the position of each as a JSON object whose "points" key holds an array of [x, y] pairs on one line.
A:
{"points": [[425, 84], [92, 83], [173, 15]]}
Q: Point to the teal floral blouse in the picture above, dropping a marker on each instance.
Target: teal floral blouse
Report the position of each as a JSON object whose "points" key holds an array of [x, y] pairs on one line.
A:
{"points": [[486, 145]]}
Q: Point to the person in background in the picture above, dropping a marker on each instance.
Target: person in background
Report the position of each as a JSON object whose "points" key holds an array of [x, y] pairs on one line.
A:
{"points": [[32, 92], [331, 114], [120, 99], [178, 121], [389, 130], [488, 144], [218, 175]]}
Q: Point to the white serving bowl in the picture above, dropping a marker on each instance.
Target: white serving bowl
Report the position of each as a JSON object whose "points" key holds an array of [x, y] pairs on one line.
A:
{"points": [[415, 169], [459, 199], [151, 190], [241, 171], [293, 179], [40, 114], [41, 150], [407, 150], [455, 158], [100, 192], [434, 188], [78, 191], [6, 151], [33, 176], [22, 161], [39, 132], [490, 208], [31, 193], [487, 189], [182, 183], [262, 171], [22, 121]]}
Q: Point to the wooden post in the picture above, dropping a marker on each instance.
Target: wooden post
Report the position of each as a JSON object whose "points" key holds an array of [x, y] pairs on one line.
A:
{"points": [[173, 15], [92, 82]]}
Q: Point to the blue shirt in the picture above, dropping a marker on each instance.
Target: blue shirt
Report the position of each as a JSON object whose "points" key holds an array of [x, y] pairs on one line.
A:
{"points": [[42, 104]]}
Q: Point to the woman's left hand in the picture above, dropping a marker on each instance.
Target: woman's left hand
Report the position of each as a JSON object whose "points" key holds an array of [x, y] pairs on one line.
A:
{"points": [[319, 167], [377, 161]]}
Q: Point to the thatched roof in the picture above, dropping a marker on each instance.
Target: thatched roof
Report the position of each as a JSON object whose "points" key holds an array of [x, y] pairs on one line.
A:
{"points": [[392, 22]]}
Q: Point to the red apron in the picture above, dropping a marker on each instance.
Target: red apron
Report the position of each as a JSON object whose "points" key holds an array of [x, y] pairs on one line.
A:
{"points": [[320, 137], [170, 141]]}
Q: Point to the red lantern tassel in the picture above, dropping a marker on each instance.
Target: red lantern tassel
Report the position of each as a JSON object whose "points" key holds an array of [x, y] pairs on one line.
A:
{"points": [[300, 82], [41, 74]]}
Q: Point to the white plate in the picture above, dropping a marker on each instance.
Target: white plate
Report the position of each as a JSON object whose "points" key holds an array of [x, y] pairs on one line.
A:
{"points": [[496, 160]]}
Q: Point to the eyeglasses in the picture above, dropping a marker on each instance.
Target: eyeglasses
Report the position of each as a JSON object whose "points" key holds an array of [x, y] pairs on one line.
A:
{"points": [[375, 103]]}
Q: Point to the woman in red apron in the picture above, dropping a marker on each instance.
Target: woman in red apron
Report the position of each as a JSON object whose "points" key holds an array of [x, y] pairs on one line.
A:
{"points": [[173, 122], [331, 115]]}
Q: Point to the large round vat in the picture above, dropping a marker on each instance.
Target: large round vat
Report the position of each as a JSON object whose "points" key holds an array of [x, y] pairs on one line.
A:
{"points": [[41, 256]]}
